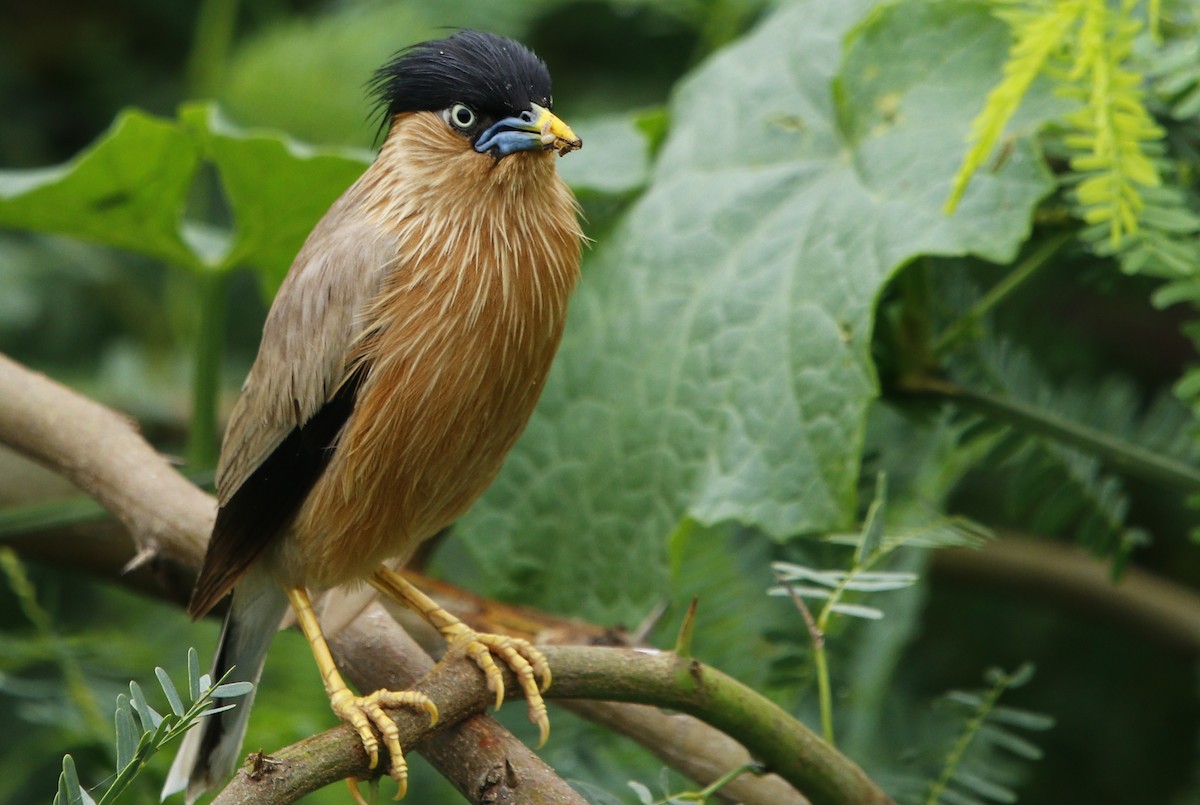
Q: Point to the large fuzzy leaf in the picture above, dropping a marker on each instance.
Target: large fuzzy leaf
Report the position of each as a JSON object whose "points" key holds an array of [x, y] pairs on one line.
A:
{"points": [[717, 360], [277, 188], [128, 190]]}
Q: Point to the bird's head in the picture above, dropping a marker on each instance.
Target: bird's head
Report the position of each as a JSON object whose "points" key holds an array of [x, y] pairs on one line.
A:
{"points": [[490, 91]]}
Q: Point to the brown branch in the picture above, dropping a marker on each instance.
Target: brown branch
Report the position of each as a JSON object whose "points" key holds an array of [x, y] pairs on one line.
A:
{"points": [[1145, 604], [103, 454], [683, 742], [479, 756], [587, 672]]}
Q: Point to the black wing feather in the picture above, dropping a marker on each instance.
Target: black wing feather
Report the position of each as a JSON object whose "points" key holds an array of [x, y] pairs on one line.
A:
{"points": [[268, 500]]}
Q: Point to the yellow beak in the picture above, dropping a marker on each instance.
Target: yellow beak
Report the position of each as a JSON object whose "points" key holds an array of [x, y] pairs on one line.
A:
{"points": [[555, 133]]}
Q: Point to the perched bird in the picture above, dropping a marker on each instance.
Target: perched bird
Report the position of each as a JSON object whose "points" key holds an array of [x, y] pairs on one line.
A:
{"points": [[400, 361]]}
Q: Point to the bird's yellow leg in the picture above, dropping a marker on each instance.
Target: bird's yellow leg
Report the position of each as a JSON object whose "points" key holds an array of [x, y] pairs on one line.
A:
{"points": [[525, 661], [362, 712]]}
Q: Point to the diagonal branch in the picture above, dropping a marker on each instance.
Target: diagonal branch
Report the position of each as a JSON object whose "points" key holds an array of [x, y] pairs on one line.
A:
{"points": [[581, 672], [102, 453]]}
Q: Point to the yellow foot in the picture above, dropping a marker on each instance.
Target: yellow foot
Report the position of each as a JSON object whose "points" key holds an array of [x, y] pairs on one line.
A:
{"points": [[366, 714], [519, 655]]}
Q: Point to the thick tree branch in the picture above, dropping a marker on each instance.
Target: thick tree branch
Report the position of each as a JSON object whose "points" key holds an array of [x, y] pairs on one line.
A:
{"points": [[479, 756], [1145, 604], [586, 672], [103, 454]]}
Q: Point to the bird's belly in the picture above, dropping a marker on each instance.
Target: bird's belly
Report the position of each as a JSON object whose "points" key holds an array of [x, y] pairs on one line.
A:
{"points": [[427, 436]]}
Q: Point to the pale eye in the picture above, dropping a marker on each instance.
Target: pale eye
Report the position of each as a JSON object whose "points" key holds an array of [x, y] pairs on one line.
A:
{"points": [[461, 116]]}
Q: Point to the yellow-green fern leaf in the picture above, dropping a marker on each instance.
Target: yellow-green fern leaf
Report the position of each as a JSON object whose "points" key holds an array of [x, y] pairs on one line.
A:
{"points": [[1112, 131], [1037, 37]]}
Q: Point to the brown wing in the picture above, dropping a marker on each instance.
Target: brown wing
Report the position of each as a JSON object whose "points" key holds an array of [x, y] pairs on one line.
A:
{"points": [[298, 395]]}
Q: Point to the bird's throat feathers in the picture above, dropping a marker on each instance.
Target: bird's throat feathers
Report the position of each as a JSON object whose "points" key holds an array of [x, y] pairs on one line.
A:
{"points": [[508, 226]]}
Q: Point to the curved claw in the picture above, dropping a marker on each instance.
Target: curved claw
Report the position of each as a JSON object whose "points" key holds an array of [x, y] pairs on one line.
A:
{"points": [[366, 715], [527, 663]]}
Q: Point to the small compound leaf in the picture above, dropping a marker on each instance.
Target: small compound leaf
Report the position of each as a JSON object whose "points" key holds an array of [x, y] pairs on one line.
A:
{"points": [[127, 733], [788, 571], [1024, 719], [169, 691], [972, 700], [858, 611], [1011, 741], [231, 690], [1022, 675], [214, 710], [195, 689], [148, 716], [643, 793], [952, 797], [984, 787], [70, 792]]}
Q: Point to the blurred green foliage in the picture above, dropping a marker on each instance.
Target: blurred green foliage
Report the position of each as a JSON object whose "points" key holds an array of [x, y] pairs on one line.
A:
{"points": [[773, 275]]}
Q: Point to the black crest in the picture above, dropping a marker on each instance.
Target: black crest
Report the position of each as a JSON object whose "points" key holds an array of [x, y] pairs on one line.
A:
{"points": [[497, 77]]}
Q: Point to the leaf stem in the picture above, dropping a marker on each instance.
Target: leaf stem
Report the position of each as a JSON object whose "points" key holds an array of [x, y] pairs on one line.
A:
{"points": [[214, 34], [820, 660], [1118, 453], [725, 779], [970, 730], [824, 692], [962, 328], [206, 385]]}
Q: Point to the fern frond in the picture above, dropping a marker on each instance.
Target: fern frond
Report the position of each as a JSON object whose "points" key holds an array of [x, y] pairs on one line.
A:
{"points": [[1087, 500], [1110, 132], [958, 781]]}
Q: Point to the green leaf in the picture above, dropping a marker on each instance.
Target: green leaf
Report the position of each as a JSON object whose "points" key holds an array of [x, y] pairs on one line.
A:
{"points": [[148, 715], [643, 793], [69, 789], [214, 710], [169, 691], [951, 797], [277, 188], [984, 788], [716, 363], [127, 733], [971, 700], [1011, 741], [127, 190], [195, 689], [1025, 719], [231, 690]]}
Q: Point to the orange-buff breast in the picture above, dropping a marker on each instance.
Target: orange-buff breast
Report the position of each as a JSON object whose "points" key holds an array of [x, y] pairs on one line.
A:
{"points": [[458, 342]]}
